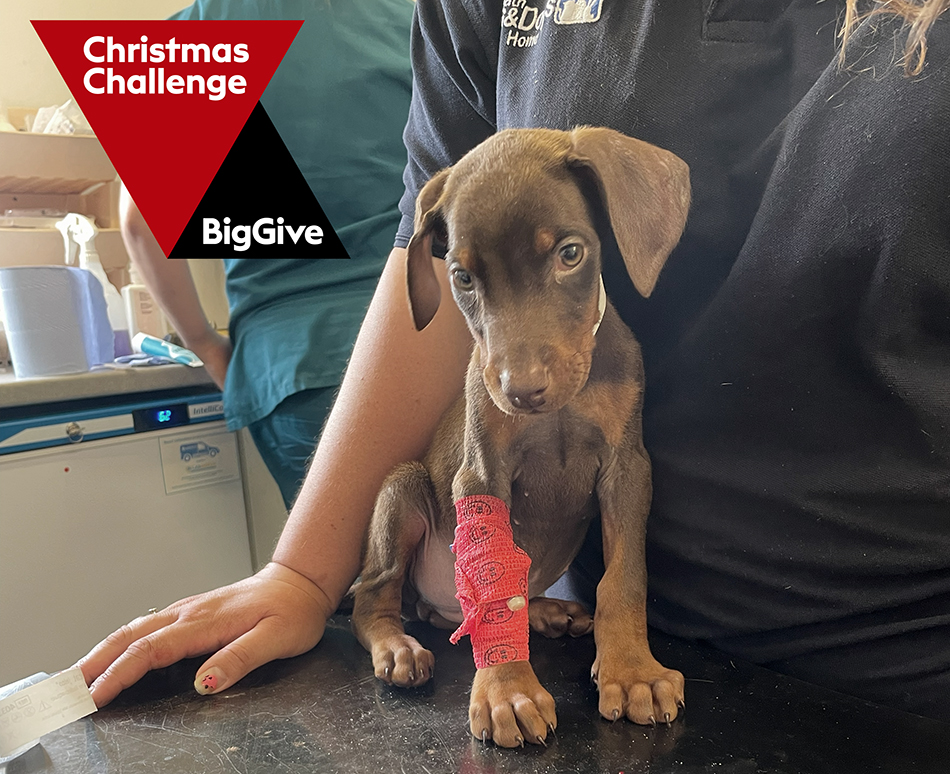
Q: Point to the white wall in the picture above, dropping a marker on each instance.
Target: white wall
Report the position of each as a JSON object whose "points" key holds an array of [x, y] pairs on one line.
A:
{"points": [[28, 77]]}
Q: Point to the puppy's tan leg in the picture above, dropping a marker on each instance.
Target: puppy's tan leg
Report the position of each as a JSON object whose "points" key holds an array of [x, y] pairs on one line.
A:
{"points": [[557, 617], [403, 510], [508, 705], [631, 682]]}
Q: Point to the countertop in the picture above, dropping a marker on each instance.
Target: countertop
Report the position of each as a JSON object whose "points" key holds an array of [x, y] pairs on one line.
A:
{"points": [[326, 712], [94, 384]]}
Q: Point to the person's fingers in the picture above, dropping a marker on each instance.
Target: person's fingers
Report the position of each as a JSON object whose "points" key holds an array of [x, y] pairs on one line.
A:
{"points": [[217, 374], [269, 640], [286, 609], [215, 353], [94, 663], [151, 651], [190, 627], [219, 364]]}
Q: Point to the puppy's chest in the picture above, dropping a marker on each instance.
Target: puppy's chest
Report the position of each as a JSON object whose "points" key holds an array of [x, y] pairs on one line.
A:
{"points": [[554, 471]]}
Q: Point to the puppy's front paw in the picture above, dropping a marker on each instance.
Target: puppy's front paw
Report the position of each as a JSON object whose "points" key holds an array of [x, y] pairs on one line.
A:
{"points": [[400, 660], [646, 692], [510, 706]]}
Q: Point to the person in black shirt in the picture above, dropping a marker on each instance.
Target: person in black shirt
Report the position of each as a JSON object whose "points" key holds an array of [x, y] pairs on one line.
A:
{"points": [[797, 345]]}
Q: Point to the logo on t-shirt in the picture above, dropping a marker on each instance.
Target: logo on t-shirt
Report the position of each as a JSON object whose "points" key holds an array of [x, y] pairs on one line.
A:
{"points": [[522, 21], [577, 11]]}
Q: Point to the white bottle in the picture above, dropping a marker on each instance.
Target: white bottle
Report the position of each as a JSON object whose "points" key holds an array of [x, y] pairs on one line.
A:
{"points": [[141, 310], [80, 230]]}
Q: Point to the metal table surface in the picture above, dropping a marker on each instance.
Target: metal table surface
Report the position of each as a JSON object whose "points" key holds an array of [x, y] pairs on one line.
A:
{"points": [[325, 712]]}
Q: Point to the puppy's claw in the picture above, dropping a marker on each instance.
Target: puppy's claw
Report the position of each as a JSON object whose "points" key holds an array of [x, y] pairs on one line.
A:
{"points": [[520, 741], [666, 718], [541, 740], [485, 736], [681, 704], [652, 721], [614, 715]]}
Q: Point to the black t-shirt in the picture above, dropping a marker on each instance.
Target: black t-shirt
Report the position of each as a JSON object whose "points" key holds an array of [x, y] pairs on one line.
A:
{"points": [[797, 345]]}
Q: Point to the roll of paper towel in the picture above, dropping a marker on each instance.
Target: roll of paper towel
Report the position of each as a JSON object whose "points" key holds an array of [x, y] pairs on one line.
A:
{"points": [[56, 320]]}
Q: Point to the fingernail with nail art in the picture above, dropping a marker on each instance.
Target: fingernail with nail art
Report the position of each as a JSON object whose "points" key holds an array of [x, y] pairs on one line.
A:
{"points": [[209, 681]]}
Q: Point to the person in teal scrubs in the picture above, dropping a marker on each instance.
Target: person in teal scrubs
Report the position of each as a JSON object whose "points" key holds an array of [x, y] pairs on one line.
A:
{"points": [[294, 321]]}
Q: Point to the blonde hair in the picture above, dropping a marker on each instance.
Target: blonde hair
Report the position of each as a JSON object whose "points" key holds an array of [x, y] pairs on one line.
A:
{"points": [[919, 16]]}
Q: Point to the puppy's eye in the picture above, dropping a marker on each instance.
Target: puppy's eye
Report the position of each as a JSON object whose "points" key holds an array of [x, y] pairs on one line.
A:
{"points": [[462, 279], [571, 254]]}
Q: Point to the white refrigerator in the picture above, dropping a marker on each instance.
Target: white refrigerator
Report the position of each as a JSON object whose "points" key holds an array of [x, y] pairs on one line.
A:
{"points": [[108, 512]]}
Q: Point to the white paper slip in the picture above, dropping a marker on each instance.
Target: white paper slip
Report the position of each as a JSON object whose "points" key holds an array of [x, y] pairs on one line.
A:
{"points": [[43, 707]]}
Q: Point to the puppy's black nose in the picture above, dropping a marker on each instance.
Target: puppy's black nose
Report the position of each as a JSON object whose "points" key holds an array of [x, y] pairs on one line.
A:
{"points": [[525, 393], [535, 400]]}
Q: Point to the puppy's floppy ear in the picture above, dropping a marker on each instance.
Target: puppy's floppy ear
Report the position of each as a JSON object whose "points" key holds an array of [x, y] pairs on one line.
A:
{"points": [[424, 291], [645, 191]]}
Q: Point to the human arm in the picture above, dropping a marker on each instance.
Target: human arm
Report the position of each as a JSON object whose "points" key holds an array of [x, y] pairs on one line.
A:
{"points": [[399, 380], [396, 387], [170, 283], [398, 383]]}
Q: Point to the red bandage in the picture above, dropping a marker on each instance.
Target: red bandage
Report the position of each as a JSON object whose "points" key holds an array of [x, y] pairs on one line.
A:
{"points": [[491, 581]]}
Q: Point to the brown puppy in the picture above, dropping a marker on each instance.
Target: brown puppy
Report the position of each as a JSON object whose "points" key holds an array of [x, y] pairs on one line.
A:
{"points": [[550, 420]]}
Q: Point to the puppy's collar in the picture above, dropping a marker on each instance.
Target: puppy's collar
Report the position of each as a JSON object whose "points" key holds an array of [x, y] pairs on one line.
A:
{"points": [[601, 305]]}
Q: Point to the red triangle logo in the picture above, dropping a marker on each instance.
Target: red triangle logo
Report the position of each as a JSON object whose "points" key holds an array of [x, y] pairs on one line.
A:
{"points": [[167, 100]]}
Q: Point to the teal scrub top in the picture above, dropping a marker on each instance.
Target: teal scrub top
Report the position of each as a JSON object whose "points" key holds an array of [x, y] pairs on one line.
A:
{"points": [[339, 101]]}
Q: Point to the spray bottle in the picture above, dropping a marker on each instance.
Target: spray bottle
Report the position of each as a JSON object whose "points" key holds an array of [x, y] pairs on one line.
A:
{"points": [[80, 232], [143, 313]]}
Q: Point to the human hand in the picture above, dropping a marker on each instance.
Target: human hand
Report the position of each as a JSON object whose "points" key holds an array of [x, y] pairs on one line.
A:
{"points": [[215, 352], [277, 613]]}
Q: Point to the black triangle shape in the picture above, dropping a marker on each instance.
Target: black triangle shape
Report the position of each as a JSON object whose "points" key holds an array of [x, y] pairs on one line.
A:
{"points": [[258, 179]]}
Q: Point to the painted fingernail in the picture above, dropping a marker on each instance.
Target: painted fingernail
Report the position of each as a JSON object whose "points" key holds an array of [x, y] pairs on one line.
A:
{"points": [[209, 681]]}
